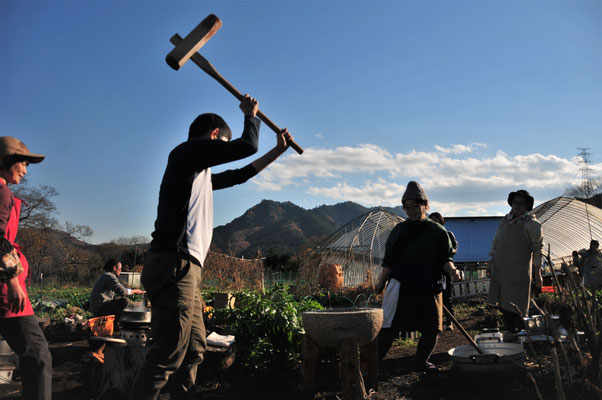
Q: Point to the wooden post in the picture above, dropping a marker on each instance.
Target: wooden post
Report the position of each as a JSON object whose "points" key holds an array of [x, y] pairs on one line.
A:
{"points": [[369, 356], [310, 361], [120, 366], [349, 371]]}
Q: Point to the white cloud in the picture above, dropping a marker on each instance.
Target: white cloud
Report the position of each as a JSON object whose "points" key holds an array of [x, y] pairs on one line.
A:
{"points": [[319, 135], [455, 149], [474, 207], [461, 182], [370, 193]]}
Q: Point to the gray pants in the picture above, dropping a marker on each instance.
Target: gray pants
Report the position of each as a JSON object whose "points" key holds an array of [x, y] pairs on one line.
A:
{"points": [[25, 338], [173, 287], [113, 307]]}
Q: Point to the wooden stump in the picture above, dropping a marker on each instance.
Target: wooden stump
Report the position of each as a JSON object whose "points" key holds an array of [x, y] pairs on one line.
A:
{"points": [[352, 360], [369, 359], [311, 358], [216, 360], [121, 363], [349, 371], [92, 363]]}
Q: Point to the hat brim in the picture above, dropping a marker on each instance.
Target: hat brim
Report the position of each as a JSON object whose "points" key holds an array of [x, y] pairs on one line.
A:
{"points": [[34, 158]]}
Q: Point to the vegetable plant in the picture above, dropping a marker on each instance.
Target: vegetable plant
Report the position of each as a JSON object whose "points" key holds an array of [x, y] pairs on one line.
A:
{"points": [[268, 327]]}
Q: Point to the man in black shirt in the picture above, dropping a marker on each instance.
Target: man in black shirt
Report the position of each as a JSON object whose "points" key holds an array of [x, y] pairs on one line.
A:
{"points": [[183, 231]]}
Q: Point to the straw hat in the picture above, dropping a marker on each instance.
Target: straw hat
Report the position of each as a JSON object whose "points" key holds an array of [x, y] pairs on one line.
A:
{"points": [[12, 146]]}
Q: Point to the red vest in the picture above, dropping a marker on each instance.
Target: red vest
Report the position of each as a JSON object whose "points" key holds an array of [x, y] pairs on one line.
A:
{"points": [[11, 234]]}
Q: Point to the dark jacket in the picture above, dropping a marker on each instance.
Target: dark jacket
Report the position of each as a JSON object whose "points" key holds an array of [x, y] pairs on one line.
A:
{"points": [[416, 251]]}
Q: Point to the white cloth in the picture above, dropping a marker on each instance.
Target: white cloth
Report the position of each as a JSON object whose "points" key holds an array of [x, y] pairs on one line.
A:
{"points": [[199, 229], [217, 340], [390, 302]]}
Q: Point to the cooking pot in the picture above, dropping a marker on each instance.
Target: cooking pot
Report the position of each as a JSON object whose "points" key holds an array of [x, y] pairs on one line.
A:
{"points": [[500, 361], [537, 324], [136, 313]]}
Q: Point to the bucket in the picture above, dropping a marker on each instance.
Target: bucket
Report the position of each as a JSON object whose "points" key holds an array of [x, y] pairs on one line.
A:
{"points": [[102, 326]]}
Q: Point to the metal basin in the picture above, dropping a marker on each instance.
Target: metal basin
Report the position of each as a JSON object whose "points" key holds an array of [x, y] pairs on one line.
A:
{"points": [[499, 363], [136, 313], [330, 327]]}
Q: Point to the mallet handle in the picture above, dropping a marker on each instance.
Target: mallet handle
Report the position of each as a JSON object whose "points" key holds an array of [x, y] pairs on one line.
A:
{"points": [[466, 335], [211, 71]]}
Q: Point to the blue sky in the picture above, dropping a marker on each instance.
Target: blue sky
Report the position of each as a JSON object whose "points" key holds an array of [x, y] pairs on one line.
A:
{"points": [[471, 98]]}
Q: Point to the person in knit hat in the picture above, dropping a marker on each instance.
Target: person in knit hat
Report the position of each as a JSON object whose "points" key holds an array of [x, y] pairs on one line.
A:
{"points": [[417, 253], [515, 260]]}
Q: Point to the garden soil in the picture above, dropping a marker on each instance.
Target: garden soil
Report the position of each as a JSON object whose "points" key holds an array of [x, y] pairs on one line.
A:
{"points": [[397, 379]]}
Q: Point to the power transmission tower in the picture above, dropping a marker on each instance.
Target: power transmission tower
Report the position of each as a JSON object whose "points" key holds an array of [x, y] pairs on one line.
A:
{"points": [[586, 182]]}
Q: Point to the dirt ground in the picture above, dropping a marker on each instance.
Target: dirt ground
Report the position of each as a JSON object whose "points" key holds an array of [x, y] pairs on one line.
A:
{"points": [[397, 379]]}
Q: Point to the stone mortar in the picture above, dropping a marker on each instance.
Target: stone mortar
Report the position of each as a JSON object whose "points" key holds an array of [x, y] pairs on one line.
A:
{"points": [[330, 327]]}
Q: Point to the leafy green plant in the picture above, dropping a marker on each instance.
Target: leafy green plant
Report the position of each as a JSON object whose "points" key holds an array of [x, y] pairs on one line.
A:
{"points": [[405, 342], [333, 300], [268, 327], [58, 303]]}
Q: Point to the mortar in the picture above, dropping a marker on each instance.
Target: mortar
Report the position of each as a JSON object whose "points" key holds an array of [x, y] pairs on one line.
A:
{"points": [[330, 327]]}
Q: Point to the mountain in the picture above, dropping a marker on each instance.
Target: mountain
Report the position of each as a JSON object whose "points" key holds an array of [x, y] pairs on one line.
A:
{"points": [[283, 227]]}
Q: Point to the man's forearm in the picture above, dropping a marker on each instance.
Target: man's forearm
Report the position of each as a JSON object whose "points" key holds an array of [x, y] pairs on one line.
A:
{"points": [[267, 159]]}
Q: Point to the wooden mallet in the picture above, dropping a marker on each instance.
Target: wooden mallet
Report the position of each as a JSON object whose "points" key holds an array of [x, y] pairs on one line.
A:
{"points": [[188, 47]]}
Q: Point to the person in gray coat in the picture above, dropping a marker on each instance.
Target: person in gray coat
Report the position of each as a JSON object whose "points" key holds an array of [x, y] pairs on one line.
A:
{"points": [[108, 294], [515, 260]]}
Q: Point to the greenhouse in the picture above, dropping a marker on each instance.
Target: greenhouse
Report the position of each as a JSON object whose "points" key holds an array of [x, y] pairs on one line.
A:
{"points": [[568, 224], [359, 246]]}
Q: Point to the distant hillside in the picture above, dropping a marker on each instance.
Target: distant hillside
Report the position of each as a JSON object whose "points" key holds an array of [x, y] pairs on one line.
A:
{"points": [[283, 227]]}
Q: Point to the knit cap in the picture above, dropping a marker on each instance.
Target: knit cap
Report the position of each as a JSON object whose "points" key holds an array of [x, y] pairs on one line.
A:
{"points": [[414, 192]]}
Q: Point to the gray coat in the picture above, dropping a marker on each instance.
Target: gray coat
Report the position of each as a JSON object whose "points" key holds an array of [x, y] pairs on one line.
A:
{"points": [[517, 244], [104, 290]]}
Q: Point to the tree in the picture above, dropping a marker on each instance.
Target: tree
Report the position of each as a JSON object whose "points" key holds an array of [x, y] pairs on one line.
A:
{"points": [[48, 246], [78, 231], [589, 191], [133, 250], [37, 246], [131, 240], [37, 207]]}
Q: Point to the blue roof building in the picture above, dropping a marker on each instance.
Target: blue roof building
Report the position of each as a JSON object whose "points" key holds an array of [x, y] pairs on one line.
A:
{"points": [[474, 235]]}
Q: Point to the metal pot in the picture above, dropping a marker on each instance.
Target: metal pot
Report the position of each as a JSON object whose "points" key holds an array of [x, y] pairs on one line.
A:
{"points": [[499, 362], [537, 325], [136, 313]]}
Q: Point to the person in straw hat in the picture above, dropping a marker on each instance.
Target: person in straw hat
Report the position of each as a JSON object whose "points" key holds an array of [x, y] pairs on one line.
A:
{"points": [[515, 260], [417, 253], [18, 324]]}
